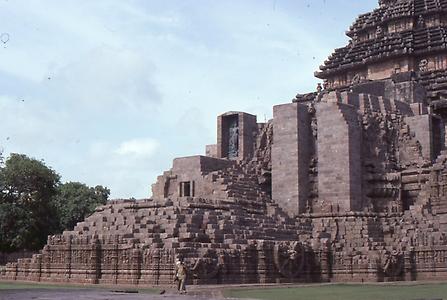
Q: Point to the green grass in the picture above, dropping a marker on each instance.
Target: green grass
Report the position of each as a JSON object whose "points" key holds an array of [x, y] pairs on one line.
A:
{"points": [[345, 292]]}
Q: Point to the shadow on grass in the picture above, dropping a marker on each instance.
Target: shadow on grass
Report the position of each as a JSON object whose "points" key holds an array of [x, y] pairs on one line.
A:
{"points": [[345, 292]]}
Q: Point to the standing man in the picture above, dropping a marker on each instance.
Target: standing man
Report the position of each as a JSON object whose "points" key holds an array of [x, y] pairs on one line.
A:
{"points": [[180, 275]]}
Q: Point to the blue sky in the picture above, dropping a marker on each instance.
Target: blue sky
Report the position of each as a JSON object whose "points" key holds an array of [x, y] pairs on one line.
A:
{"points": [[110, 91]]}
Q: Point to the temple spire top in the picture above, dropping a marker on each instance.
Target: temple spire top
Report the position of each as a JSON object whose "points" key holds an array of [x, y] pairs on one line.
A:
{"points": [[384, 3]]}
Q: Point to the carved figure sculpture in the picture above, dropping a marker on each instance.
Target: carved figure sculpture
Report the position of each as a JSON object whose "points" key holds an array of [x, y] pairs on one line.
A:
{"points": [[319, 88], [379, 31], [289, 258], [356, 79], [206, 268], [421, 22], [233, 141], [392, 263], [423, 65]]}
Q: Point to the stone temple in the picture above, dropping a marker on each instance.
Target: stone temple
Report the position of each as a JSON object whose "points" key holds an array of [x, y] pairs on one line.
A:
{"points": [[348, 183]]}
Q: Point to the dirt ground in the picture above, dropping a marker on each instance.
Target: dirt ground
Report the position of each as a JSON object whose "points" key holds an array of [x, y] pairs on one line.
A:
{"points": [[55, 291], [93, 294]]}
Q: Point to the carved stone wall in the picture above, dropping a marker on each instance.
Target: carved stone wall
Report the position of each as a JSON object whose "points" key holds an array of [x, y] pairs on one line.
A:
{"points": [[348, 183]]}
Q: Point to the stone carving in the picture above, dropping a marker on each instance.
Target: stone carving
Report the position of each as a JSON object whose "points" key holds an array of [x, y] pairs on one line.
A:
{"points": [[319, 88], [233, 140], [207, 266], [384, 3], [421, 22], [289, 258], [336, 179], [392, 263], [423, 65], [379, 31], [356, 79]]}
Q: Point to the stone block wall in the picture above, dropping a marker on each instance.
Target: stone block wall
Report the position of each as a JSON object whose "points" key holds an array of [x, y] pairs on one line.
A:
{"points": [[211, 150], [6, 257], [291, 157], [344, 117], [429, 131], [404, 89], [198, 164], [247, 139], [400, 87], [339, 157], [185, 179]]}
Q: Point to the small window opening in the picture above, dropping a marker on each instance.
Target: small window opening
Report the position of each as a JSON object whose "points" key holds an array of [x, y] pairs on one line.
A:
{"points": [[186, 189]]}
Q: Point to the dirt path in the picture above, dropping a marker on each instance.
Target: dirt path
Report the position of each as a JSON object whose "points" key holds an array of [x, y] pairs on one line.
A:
{"points": [[93, 294]]}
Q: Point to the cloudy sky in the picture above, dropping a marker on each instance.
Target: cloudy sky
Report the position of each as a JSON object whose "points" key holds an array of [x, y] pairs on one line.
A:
{"points": [[110, 91]]}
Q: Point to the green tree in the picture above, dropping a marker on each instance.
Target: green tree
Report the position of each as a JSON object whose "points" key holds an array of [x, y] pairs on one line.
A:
{"points": [[27, 214], [75, 201], [16, 227], [34, 204]]}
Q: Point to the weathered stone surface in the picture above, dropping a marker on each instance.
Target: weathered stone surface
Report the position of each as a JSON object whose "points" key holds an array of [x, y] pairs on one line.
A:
{"points": [[291, 157], [348, 183], [339, 156]]}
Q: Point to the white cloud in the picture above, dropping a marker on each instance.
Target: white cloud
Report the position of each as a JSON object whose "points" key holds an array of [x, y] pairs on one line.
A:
{"points": [[109, 77], [138, 148], [30, 124], [164, 69]]}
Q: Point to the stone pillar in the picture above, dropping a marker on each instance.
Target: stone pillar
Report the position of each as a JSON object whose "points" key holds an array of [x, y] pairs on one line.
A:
{"points": [[155, 266], [114, 262], [290, 157], [94, 264], [262, 265], [67, 257], [339, 157], [135, 267], [324, 258]]}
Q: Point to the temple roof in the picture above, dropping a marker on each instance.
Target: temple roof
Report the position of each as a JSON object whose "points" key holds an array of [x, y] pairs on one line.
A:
{"points": [[390, 10], [377, 43]]}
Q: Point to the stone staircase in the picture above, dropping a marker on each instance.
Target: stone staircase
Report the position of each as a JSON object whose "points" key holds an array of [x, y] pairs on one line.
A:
{"points": [[239, 183], [179, 222]]}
